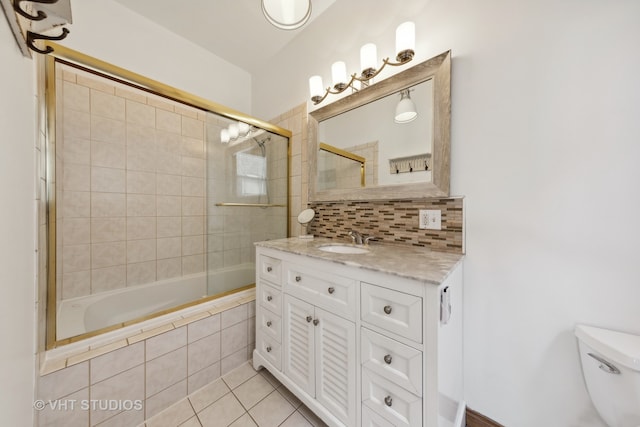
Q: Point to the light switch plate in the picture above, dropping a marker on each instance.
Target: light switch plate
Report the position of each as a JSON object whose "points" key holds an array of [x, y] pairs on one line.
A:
{"points": [[430, 219]]}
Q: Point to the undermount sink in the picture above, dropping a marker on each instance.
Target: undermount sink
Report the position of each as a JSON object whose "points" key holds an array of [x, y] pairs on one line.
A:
{"points": [[343, 249]]}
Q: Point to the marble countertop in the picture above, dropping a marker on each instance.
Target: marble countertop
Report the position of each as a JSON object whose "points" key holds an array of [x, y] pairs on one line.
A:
{"points": [[411, 262]]}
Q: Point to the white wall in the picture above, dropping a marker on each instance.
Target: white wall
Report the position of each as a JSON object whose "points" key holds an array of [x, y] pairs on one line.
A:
{"points": [[17, 232], [109, 31], [545, 148]]}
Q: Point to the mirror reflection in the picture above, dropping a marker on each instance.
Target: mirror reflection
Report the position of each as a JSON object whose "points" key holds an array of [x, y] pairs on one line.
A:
{"points": [[369, 138]]}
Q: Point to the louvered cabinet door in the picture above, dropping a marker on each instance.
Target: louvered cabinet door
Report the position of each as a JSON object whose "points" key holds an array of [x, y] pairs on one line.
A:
{"points": [[335, 340], [299, 358]]}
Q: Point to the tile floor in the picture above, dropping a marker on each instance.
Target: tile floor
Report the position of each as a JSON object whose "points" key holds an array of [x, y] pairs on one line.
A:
{"points": [[242, 398]]}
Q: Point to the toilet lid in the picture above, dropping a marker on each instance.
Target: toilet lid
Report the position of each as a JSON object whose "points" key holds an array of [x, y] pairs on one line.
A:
{"points": [[618, 346]]}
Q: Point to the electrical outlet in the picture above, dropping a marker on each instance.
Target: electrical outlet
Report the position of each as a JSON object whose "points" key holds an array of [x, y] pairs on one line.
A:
{"points": [[430, 219]]}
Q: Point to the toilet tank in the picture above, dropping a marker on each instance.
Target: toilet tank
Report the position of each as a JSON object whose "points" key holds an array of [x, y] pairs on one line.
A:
{"points": [[611, 368]]}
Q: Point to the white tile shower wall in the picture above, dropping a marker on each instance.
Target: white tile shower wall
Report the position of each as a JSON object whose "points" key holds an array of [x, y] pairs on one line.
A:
{"points": [[131, 204], [157, 372]]}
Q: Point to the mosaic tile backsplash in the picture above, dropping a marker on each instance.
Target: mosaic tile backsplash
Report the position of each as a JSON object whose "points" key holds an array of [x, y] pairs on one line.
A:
{"points": [[392, 222]]}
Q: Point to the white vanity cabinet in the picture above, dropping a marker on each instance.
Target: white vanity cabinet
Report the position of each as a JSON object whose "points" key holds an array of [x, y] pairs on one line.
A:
{"points": [[359, 346]]}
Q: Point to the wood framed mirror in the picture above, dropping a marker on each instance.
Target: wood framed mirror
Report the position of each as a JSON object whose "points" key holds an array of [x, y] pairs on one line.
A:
{"points": [[403, 160]]}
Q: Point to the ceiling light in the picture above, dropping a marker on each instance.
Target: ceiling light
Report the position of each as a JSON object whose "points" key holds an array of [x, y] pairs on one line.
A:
{"points": [[406, 109], [287, 14]]}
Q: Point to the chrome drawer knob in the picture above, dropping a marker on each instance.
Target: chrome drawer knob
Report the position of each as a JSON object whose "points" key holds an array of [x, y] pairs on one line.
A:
{"points": [[268, 323], [269, 269], [387, 359], [269, 297], [388, 401], [298, 278], [309, 319], [316, 321], [331, 290], [387, 309], [269, 351]]}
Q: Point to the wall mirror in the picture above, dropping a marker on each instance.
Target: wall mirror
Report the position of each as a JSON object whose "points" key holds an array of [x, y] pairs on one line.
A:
{"points": [[361, 153], [155, 197]]}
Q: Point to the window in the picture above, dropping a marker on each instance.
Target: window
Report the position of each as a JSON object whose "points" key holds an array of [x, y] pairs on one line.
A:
{"points": [[251, 173]]}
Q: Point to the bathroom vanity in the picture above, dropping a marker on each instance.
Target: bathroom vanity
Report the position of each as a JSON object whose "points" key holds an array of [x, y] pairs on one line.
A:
{"points": [[363, 339]]}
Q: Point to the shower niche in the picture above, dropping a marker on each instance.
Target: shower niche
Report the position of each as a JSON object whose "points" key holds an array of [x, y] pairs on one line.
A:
{"points": [[150, 206]]}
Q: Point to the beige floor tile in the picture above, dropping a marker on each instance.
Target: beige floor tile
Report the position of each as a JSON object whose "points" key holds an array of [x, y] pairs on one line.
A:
{"points": [[311, 417], [295, 402], [244, 421], [253, 391], [208, 395], [222, 412], [296, 420], [239, 375], [191, 422], [272, 410], [173, 415], [269, 377]]}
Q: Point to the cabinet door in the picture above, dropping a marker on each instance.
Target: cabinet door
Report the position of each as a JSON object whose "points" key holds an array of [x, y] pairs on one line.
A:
{"points": [[299, 358], [336, 365]]}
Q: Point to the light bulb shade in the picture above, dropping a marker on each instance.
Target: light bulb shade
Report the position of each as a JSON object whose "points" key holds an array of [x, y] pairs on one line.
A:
{"points": [[224, 136], [405, 41], [339, 74], [233, 131], [243, 128], [315, 87], [406, 109], [287, 14], [368, 58]]}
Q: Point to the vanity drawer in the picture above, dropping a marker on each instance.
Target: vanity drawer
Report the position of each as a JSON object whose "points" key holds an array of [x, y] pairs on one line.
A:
{"points": [[371, 419], [270, 324], [392, 360], [391, 401], [270, 269], [393, 311], [270, 349], [334, 293], [270, 297]]}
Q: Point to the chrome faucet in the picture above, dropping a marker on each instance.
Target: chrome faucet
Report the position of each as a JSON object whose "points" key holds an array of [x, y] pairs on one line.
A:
{"points": [[360, 239]]}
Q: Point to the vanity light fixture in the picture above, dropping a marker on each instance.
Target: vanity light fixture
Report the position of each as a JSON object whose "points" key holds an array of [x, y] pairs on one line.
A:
{"points": [[287, 14], [405, 45], [406, 109], [234, 131]]}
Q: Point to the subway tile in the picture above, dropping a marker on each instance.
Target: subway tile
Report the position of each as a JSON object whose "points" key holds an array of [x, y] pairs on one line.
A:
{"points": [[160, 102], [141, 205], [166, 371], [94, 82], [141, 273], [165, 343], [141, 250], [133, 94], [186, 110]]}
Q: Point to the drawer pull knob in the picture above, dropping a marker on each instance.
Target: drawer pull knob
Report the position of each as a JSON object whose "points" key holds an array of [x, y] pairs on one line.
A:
{"points": [[298, 278], [388, 401], [268, 323], [387, 309], [269, 269], [269, 351], [331, 290], [309, 319], [269, 297], [387, 359], [316, 321]]}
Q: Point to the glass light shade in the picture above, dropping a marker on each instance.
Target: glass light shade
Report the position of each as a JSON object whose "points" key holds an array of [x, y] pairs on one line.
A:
{"points": [[243, 128], [368, 57], [315, 86], [287, 14], [406, 109], [224, 136], [405, 37], [339, 73], [233, 131]]}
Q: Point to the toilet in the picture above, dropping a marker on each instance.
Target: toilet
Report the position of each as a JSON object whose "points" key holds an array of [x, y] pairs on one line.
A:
{"points": [[611, 368]]}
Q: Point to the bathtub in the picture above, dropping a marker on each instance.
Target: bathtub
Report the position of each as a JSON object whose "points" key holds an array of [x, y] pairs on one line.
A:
{"points": [[77, 316]]}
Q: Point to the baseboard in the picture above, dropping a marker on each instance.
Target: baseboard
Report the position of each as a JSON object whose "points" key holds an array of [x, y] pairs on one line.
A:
{"points": [[476, 419]]}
